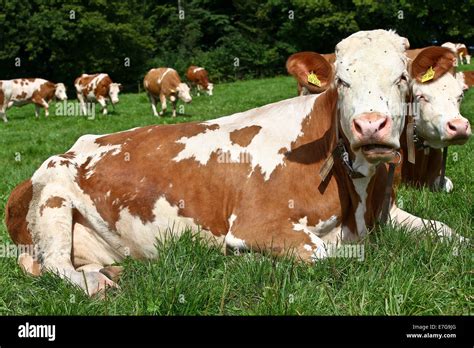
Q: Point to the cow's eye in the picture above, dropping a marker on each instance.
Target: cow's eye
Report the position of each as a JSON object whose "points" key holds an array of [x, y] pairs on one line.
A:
{"points": [[343, 83], [460, 98]]}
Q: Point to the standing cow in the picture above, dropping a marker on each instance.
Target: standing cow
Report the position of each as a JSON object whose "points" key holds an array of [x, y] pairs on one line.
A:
{"points": [[460, 50], [162, 83], [88, 208], [97, 88], [31, 90], [198, 77]]}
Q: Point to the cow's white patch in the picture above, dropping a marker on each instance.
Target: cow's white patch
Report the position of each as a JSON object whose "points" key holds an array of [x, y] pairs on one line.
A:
{"points": [[163, 75], [197, 69], [360, 186], [281, 124], [234, 242], [320, 229], [231, 220]]}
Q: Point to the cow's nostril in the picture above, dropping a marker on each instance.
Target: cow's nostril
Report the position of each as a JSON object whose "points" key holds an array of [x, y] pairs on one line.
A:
{"points": [[382, 125], [452, 127], [357, 127]]}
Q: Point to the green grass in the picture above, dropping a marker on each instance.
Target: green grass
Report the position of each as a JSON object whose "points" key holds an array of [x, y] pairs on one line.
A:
{"points": [[401, 274]]}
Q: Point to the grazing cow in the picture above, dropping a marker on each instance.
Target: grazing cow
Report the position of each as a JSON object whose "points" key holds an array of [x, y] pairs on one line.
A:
{"points": [[32, 90], [97, 88], [248, 181], [198, 77], [460, 50], [165, 83], [465, 79], [302, 65], [438, 123]]}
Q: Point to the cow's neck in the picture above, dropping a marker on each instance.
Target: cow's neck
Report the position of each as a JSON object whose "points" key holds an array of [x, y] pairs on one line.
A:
{"points": [[319, 129], [428, 160]]}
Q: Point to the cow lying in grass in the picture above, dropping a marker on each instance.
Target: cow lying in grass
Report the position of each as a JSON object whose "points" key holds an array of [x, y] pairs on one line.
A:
{"points": [[248, 181]]}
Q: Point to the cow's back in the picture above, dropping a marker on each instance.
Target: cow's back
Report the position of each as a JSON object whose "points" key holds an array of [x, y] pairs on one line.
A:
{"points": [[161, 80]]}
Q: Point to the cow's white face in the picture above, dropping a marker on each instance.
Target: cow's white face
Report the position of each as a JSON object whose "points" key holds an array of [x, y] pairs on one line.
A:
{"points": [[210, 87], [440, 122], [462, 82], [114, 90], [371, 77], [184, 93], [60, 91]]}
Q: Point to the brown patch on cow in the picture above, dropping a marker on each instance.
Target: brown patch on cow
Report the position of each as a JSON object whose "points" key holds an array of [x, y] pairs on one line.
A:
{"points": [[244, 136], [52, 202], [441, 59], [22, 95], [2, 96], [103, 87], [468, 78], [65, 163], [16, 210], [301, 64], [168, 83], [330, 57], [51, 164], [68, 155], [45, 92], [84, 83]]}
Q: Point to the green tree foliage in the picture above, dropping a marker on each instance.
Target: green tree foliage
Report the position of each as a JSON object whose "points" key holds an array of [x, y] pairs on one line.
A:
{"points": [[60, 39]]}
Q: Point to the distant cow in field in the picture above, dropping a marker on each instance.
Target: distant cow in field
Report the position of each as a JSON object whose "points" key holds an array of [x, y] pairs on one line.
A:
{"points": [[97, 88], [460, 50], [162, 83], [465, 79], [19, 92], [198, 77]]}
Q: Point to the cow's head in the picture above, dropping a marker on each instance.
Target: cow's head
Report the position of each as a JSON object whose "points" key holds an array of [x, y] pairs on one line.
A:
{"points": [[371, 78], [184, 92], [439, 121], [60, 91], [114, 90], [210, 87]]}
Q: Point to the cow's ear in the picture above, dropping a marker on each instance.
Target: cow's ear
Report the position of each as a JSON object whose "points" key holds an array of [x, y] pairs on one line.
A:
{"points": [[432, 63], [120, 86], [311, 70]]}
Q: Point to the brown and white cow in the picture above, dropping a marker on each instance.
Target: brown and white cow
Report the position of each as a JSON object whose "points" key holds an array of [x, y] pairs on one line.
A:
{"points": [[460, 50], [248, 180], [465, 79], [198, 77], [19, 92], [162, 83], [96, 88], [437, 120], [300, 65]]}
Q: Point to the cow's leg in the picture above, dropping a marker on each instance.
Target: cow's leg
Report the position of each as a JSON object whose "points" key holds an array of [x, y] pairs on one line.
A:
{"points": [[468, 59], [82, 103], [40, 102], [417, 224], [3, 114], [37, 111], [447, 187], [52, 232], [103, 104], [153, 104], [163, 104], [174, 100], [198, 89]]}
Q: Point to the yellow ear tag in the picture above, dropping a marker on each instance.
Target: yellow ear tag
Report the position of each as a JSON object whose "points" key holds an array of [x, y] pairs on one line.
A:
{"points": [[429, 74], [313, 79]]}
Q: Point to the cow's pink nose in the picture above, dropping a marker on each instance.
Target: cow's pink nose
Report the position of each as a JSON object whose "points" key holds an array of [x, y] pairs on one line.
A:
{"points": [[371, 125], [458, 128]]}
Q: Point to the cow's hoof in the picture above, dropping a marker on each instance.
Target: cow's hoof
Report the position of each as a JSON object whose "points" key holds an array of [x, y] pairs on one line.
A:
{"points": [[29, 265], [97, 283], [447, 187], [112, 272]]}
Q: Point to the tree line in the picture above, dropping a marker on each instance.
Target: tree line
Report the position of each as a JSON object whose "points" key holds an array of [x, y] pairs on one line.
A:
{"points": [[239, 39]]}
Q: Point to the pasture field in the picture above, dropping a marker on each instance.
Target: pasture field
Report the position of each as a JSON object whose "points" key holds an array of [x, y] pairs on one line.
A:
{"points": [[401, 273]]}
